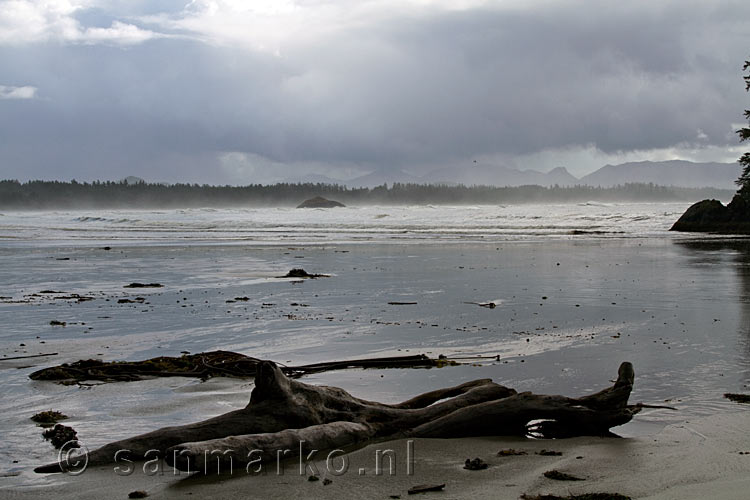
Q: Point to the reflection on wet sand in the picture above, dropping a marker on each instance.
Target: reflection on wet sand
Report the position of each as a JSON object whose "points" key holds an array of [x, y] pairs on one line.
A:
{"points": [[735, 252]]}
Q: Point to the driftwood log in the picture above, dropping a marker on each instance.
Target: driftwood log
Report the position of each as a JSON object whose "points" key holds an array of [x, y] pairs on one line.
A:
{"points": [[205, 365], [285, 414]]}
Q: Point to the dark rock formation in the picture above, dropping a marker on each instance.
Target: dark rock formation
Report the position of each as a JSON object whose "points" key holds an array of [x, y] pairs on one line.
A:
{"points": [[711, 216], [301, 273], [320, 202]]}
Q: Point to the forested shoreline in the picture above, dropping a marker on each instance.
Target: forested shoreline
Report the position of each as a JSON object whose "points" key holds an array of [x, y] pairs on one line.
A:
{"points": [[45, 195]]}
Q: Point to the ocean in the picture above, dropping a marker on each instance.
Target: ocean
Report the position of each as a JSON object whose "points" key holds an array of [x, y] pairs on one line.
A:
{"points": [[578, 289]]}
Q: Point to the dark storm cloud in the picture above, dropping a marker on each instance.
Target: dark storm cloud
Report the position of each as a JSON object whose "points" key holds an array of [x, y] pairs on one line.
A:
{"points": [[429, 87]]}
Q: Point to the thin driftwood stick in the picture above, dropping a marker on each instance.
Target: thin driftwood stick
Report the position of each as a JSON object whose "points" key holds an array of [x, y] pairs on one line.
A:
{"points": [[29, 356]]}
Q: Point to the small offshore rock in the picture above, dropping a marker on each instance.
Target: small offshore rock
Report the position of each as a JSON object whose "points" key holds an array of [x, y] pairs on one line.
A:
{"points": [[48, 417], [476, 464], [320, 202], [301, 273]]}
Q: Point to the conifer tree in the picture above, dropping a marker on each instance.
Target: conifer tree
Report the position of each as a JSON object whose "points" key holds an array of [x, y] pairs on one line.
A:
{"points": [[744, 133]]}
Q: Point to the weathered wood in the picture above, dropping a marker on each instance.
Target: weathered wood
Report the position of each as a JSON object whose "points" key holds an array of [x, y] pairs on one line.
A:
{"points": [[285, 414], [29, 356], [205, 365]]}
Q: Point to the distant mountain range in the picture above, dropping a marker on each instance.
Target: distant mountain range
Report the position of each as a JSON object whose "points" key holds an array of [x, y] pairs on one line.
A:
{"points": [[665, 173]]}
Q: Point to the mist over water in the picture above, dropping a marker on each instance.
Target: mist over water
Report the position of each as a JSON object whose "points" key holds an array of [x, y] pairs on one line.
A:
{"points": [[274, 226]]}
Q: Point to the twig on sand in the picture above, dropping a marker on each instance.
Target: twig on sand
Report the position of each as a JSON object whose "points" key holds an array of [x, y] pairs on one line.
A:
{"points": [[30, 356]]}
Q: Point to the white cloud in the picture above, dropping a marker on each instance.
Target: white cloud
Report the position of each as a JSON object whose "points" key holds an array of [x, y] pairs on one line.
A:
{"points": [[34, 21], [118, 33], [10, 92], [277, 25]]}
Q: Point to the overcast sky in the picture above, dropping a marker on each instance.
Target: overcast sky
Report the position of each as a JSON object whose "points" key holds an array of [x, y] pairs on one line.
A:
{"points": [[233, 91]]}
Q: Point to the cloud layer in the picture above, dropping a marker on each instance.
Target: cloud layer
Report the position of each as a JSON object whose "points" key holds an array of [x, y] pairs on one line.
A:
{"points": [[232, 91]]}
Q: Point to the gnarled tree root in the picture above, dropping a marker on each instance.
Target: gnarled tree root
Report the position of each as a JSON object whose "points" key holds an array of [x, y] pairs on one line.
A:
{"points": [[285, 414]]}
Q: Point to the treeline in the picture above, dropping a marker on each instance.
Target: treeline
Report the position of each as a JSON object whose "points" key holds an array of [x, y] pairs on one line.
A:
{"points": [[43, 195]]}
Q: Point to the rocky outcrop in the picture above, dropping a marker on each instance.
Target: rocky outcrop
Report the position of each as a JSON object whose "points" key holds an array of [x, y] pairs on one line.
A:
{"points": [[320, 202], [711, 216]]}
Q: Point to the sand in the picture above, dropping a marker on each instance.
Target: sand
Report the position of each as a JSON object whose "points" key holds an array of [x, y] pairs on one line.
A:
{"points": [[699, 458]]}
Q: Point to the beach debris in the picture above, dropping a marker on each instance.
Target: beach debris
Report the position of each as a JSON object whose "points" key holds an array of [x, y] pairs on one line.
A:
{"points": [[489, 305], [402, 303], [326, 482], [48, 417], [561, 476], [424, 488], [549, 453], [144, 285], [55, 322], [584, 496], [301, 273], [205, 365], [137, 300], [61, 434], [29, 356], [137, 494], [509, 452], [283, 410], [312, 478], [476, 464], [72, 296], [738, 398]]}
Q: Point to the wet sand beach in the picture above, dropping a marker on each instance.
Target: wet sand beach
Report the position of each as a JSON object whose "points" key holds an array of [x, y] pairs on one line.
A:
{"points": [[568, 311], [697, 458]]}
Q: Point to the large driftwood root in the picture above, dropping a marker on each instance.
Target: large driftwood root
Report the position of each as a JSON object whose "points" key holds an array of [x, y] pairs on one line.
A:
{"points": [[285, 414]]}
